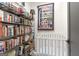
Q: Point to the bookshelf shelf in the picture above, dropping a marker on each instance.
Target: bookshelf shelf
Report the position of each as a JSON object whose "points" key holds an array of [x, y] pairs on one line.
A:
{"points": [[10, 37], [14, 23]]}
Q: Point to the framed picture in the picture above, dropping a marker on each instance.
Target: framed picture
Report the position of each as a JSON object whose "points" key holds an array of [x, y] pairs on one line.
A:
{"points": [[46, 17]]}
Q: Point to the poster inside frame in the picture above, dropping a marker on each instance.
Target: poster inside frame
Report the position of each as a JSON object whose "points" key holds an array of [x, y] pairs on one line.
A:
{"points": [[46, 17]]}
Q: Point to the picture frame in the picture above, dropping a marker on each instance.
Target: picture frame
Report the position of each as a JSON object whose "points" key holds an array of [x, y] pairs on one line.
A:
{"points": [[46, 16]]}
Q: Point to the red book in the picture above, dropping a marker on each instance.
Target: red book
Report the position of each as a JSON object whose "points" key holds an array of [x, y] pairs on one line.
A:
{"points": [[8, 18], [1, 29]]}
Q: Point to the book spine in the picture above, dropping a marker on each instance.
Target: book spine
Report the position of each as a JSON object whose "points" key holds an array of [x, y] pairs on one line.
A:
{"points": [[2, 46]]}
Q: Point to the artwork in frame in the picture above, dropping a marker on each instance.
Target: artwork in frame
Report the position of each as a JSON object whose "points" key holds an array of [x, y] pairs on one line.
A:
{"points": [[46, 17]]}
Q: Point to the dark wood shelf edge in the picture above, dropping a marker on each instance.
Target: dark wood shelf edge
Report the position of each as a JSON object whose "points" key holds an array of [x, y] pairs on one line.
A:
{"points": [[13, 23], [8, 38]]}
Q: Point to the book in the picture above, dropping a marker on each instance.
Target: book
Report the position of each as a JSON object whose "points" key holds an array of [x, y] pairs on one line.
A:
{"points": [[1, 15], [10, 44], [2, 46], [21, 39], [5, 30], [21, 20], [15, 19], [10, 18], [10, 30], [5, 16], [7, 45], [20, 51], [16, 30], [1, 19], [1, 30], [17, 41], [21, 29], [28, 29], [13, 43]]}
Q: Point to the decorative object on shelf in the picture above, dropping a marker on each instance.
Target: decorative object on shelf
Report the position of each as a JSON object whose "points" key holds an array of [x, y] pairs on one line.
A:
{"points": [[20, 10], [46, 17], [32, 12]]}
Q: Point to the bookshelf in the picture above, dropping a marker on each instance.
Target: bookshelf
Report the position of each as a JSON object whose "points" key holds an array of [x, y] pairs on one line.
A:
{"points": [[13, 30]]}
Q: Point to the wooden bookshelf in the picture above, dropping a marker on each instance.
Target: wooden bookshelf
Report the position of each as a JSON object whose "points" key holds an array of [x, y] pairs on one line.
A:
{"points": [[10, 10]]}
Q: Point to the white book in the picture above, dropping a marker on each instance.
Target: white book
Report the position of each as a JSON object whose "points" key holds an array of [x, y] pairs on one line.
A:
{"points": [[10, 30], [2, 15]]}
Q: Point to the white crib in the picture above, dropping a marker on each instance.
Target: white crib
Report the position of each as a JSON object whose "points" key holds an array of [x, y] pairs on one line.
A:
{"points": [[52, 46]]}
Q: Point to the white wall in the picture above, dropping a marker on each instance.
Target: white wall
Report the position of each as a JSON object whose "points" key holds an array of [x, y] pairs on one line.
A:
{"points": [[27, 6], [59, 33], [60, 19]]}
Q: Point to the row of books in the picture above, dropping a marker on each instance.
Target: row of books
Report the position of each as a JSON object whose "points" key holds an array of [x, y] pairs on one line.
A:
{"points": [[11, 18], [9, 44], [27, 22], [11, 6], [10, 30]]}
